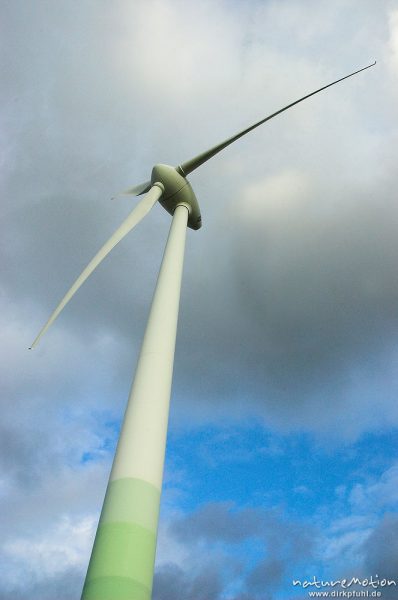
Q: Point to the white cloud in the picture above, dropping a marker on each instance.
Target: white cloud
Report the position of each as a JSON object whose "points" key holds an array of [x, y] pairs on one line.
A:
{"points": [[64, 547], [346, 547], [393, 41], [379, 494]]}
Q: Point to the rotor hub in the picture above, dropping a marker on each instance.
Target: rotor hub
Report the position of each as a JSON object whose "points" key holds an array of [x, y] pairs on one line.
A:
{"points": [[177, 190]]}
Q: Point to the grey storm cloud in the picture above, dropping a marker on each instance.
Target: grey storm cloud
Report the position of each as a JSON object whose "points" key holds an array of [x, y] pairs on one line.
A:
{"points": [[290, 289], [67, 586], [381, 551], [266, 575], [286, 543], [172, 582], [218, 522], [215, 528]]}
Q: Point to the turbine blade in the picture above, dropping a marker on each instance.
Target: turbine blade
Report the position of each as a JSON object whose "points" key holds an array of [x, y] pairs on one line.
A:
{"points": [[192, 164], [137, 190], [139, 212]]}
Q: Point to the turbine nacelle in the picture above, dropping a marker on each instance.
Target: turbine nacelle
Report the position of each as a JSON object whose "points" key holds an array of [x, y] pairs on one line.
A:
{"points": [[177, 190]]}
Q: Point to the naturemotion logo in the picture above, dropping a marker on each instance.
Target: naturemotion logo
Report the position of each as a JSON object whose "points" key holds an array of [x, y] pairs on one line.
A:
{"points": [[373, 586]]}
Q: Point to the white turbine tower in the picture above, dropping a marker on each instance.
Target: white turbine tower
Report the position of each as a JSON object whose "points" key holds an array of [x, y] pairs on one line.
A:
{"points": [[122, 561]]}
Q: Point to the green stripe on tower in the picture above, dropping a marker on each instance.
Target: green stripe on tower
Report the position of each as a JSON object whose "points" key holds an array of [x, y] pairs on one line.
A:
{"points": [[121, 564], [131, 500], [115, 588]]}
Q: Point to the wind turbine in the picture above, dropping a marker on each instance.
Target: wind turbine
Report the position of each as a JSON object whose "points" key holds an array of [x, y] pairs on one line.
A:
{"points": [[122, 560]]}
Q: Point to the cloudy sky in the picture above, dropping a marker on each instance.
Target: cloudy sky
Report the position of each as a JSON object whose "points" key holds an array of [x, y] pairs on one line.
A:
{"points": [[281, 460]]}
